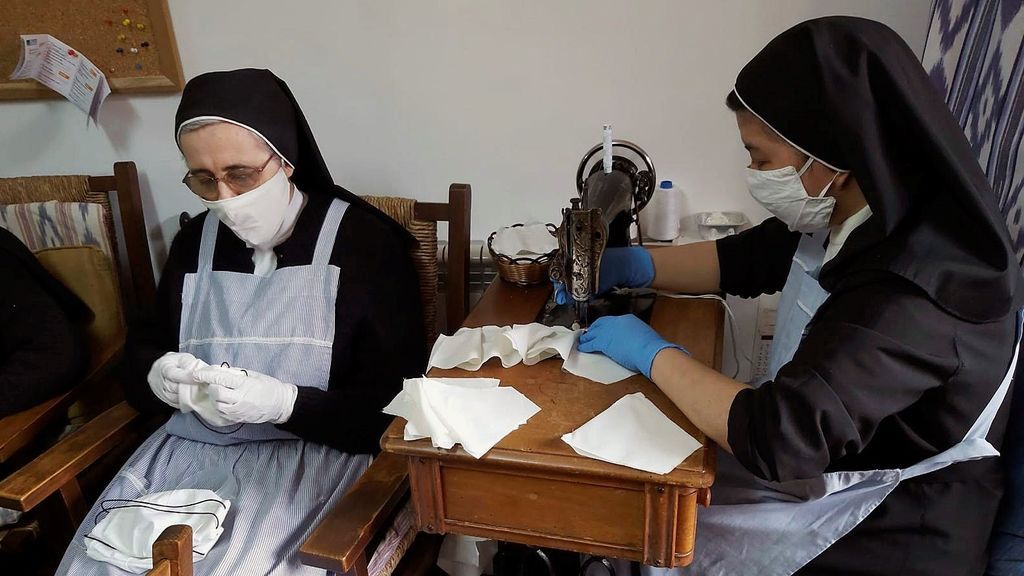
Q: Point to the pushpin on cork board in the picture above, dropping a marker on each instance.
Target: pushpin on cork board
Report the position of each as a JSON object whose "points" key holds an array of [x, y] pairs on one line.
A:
{"points": [[93, 28]]}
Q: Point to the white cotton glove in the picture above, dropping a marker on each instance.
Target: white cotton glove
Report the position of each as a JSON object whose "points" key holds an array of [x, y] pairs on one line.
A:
{"points": [[171, 371], [248, 396]]}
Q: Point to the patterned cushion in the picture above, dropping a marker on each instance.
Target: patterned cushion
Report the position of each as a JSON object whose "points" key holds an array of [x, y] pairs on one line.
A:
{"points": [[54, 224]]}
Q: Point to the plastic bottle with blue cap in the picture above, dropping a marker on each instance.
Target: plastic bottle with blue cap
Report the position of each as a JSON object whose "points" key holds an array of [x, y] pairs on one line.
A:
{"points": [[659, 220]]}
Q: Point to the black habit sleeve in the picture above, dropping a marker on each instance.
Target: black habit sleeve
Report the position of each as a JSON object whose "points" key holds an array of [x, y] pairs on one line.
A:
{"points": [[869, 354], [756, 261], [151, 337]]}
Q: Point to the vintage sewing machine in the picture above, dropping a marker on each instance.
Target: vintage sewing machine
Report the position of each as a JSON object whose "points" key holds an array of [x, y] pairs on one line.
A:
{"points": [[609, 203]]}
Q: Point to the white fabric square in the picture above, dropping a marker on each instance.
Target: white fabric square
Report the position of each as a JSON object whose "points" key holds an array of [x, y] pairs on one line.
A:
{"points": [[633, 432]]}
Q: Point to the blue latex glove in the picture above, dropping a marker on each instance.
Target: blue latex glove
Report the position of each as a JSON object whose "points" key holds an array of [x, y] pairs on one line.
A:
{"points": [[627, 267], [627, 340]]}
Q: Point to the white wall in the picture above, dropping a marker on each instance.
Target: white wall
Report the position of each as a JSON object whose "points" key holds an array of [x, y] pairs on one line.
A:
{"points": [[406, 97]]}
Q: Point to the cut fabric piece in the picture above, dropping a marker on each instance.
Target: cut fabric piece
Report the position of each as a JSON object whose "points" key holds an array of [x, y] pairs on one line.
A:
{"points": [[196, 398], [634, 433], [470, 348], [125, 536], [474, 412]]}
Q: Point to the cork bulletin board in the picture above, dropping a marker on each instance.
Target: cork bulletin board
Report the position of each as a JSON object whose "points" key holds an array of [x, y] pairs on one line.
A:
{"points": [[131, 41]]}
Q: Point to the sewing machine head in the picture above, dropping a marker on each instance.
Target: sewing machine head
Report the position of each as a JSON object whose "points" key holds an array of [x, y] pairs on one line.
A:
{"points": [[609, 203]]}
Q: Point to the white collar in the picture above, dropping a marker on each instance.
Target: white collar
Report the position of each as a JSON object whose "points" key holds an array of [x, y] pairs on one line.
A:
{"points": [[838, 234], [263, 257]]}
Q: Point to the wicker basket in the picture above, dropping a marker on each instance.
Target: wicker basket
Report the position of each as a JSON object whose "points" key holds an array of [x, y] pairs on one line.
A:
{"points": [[522, 270]]}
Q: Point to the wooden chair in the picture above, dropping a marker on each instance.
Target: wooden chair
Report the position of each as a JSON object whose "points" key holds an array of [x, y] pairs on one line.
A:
{"points": [[342, 541], [172, 552], [55, 471]]}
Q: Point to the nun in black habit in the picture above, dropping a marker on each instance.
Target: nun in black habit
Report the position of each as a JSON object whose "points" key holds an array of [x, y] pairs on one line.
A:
{"points": [[43, 350], [873, 448], [286, 318]]}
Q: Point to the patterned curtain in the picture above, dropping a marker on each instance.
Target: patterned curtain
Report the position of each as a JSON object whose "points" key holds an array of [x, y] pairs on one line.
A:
{"points": [[974, 54]]}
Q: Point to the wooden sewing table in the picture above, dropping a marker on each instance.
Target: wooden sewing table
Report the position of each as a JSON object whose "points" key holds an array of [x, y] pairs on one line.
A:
{"points": [[532, 488]]}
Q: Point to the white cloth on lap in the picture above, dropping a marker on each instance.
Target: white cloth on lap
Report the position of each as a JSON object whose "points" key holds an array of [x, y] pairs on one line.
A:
{"points": [[125, 536]]}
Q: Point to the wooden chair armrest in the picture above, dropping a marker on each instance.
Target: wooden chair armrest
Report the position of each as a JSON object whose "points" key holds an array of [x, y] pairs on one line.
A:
{"points": [[18, 430], [341, 538], [27, 487], [172, 552]]}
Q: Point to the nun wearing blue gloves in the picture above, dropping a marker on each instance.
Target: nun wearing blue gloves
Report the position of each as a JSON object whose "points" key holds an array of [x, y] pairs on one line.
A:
{"points": [[874, 447]]}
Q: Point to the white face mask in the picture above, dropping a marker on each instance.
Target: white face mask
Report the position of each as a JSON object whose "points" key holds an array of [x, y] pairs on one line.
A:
{"points": [[257, 215], [782, 193]]}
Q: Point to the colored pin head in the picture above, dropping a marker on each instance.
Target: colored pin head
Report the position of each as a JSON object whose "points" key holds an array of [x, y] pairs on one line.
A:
{"points": [[140, 26], [120, 50], [138, 66], [134, 50], [126, 22], [144, 44], [122, 37]]}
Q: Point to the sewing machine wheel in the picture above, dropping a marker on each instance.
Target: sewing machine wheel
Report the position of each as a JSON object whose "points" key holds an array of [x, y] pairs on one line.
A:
{"points": [[644, 181]]}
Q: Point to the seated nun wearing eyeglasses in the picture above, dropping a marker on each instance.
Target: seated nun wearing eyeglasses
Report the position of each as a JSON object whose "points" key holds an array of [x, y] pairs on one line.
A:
{"points": [[306, 292]]}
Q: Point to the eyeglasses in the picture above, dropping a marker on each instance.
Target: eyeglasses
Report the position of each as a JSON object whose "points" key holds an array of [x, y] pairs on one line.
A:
{"points": [[241, 180]]}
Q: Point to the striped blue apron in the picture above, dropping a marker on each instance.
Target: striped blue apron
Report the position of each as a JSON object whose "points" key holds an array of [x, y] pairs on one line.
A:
{"points": [[281, 325], [800, 300]]}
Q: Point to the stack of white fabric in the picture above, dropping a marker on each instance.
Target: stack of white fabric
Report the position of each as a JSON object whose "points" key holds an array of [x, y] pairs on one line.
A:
{"points": [[125, 536], [469, 348], [474, 412]]}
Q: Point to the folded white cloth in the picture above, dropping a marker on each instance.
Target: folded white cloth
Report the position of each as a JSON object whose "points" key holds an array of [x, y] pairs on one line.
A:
{"points": [[527, 240], [469, 348], [633, 432], [125, 536], [474, 412]]}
